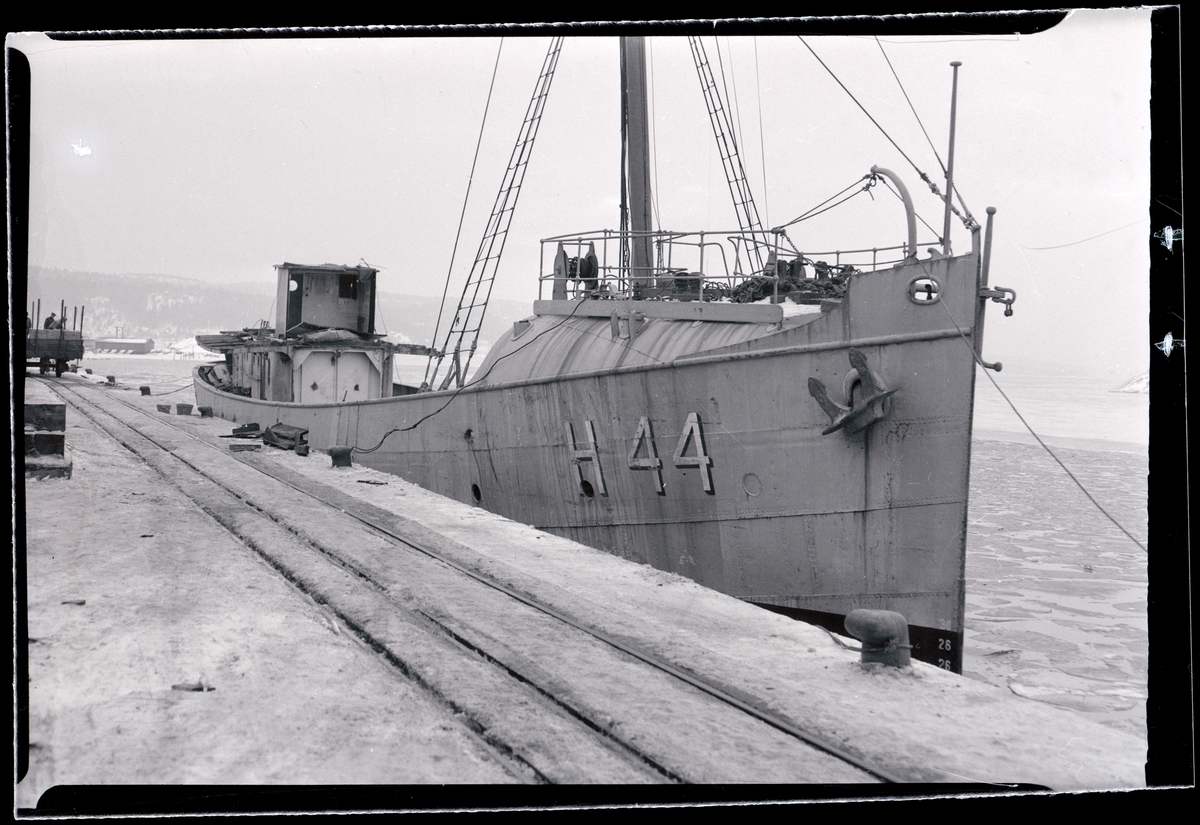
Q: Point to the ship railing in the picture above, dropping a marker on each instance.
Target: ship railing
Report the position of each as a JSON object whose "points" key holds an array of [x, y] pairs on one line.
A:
{"points": [[698, 266]]}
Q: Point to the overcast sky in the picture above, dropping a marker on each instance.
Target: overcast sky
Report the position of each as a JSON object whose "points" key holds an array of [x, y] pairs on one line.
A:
{"points": [[218, 159]]}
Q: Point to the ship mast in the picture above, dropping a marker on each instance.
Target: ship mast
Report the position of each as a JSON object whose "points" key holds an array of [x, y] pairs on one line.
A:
{"points": [[635, 185]]}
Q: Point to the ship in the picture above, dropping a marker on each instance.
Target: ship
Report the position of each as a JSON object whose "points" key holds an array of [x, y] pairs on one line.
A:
{"points": [[788, 427]]}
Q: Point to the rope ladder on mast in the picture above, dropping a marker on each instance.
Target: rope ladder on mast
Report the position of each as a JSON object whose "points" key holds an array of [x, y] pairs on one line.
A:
{"points": [[735, 174], [468, 318]]}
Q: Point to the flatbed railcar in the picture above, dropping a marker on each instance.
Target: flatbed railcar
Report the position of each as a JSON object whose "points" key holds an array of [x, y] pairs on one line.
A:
{"points": [[53, 349]]}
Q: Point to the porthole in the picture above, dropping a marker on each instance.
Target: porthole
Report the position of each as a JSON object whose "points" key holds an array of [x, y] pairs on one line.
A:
{"points": [[924, 290], [586, 488], [476, 493]]}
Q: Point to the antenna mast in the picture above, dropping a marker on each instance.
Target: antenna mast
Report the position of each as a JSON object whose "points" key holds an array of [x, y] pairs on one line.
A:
{"points": [[950, 162]]}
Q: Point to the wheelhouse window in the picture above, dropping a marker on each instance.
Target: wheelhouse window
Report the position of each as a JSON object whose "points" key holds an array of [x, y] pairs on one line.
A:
{"points": [[348, 285]]}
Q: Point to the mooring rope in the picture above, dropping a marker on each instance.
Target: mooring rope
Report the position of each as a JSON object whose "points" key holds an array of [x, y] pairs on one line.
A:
{"points": [[1078, 483], [186, 386]]}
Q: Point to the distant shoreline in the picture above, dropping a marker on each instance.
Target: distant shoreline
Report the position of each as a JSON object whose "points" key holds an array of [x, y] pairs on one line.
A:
{"points": [[1098, 445]]}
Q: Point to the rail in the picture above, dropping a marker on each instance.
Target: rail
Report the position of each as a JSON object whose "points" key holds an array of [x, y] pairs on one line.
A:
{"points": [[695, 266], [185, 469]]}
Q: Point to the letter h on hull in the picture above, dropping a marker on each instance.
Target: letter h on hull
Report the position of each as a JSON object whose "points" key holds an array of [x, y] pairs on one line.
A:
{"points": [[588, 453]]}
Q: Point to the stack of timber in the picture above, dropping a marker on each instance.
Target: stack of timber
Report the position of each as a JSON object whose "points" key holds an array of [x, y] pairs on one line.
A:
{"points": [[45, 422]]}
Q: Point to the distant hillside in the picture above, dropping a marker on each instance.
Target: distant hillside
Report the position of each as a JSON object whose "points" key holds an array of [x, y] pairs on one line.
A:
{"points": [[167, 308], [162, 307]]}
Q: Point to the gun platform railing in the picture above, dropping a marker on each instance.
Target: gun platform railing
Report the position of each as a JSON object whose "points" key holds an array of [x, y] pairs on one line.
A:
{"points": [[693, 266]]}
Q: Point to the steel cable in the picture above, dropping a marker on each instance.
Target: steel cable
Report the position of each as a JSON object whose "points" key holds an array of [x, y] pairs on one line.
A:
{"points": [[1038, 438], [462, 215]]}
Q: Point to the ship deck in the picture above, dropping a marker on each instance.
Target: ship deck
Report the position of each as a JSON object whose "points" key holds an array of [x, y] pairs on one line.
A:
{"points": [[198, 615]]}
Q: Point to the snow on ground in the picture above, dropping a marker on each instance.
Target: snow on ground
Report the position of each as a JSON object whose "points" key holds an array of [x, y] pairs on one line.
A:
{"points": [[946, 724]]}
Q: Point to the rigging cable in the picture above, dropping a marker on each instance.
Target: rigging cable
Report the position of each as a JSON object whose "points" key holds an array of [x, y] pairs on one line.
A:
{"points": [[922, 125], [737, 110], [653, 137], [988, 373], [813, 213], [737, 134], [1085, 240], [471, 383], [913, 108], [918, 216], [865, 188], [762, 147], [864, 110], [968, 219], [736, 137], [462, 215]]}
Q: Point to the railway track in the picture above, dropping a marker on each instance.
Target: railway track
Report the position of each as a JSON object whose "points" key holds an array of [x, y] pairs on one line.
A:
{"points": [[558, 701]]}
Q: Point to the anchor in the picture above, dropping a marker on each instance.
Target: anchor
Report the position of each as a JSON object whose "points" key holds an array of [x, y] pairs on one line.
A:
{"points": [[866, 411]]}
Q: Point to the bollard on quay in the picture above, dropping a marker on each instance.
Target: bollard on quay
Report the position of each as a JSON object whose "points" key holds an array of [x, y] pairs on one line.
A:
{"points": [[340, 456], [884, 636], [205, 411], [145, 390]]}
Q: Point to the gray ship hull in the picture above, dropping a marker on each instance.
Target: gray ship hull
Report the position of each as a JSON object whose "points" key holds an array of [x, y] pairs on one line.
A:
{"points": [[714, 463]]}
